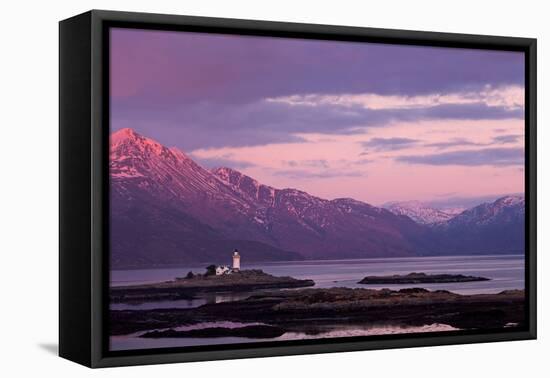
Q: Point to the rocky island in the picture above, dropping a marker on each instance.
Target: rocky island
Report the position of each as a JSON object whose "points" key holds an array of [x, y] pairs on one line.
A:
{"points": [[309, 310], [193, 284], [419, 278]]}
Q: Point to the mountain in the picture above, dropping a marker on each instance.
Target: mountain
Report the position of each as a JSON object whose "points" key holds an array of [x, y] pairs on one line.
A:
{"points": [[420, 212], [496, 227], [166, 209], [319, 228], [505, 210]]}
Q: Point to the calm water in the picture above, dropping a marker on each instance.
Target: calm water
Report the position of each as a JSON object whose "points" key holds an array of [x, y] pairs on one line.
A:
{"points": [[132, 342], [505, 272]]}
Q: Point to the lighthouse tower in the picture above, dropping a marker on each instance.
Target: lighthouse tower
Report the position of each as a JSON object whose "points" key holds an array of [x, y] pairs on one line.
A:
{"points": [[236, 260]]}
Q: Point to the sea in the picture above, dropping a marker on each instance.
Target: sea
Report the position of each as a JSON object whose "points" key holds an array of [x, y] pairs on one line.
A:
{"points": [[506, 272]]}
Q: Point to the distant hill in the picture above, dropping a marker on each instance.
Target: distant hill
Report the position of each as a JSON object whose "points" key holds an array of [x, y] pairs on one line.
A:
{"points": [[497, 228]]}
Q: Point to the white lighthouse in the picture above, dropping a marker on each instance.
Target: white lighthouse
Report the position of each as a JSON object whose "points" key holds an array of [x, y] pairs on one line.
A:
{"points": [[236, 260]]}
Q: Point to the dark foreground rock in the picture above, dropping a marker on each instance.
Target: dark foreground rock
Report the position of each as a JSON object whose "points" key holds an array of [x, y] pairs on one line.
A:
{"points": [[419, 278], [188, 288], [251, 332], [297, 310]]}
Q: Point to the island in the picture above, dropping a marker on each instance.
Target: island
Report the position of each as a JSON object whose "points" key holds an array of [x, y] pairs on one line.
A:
{"points": [[312, 310], [419, 278], [193, 284]]}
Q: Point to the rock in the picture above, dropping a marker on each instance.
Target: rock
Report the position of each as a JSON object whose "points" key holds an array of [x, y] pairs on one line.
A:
{"points": [[419, 278], [251, 332], [415, 290]]}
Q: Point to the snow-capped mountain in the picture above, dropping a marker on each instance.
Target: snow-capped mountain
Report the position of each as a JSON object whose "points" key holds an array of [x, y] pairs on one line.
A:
{"points": [[508, 209], [453, 210], [316, 227], [167, 209], [420, 212], [495, 227], [167, 173]]}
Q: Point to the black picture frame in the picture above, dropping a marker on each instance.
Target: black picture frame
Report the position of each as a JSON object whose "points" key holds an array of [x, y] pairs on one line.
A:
{"points": [[84, 189]]}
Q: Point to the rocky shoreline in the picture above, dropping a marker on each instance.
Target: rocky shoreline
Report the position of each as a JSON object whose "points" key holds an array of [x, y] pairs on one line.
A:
{"points": [[419, 278], [189, 288], [251, 332], [304, 310]]}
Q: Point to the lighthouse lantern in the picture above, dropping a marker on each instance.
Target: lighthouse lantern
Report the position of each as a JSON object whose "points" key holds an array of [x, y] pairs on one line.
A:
{"points": [[236, 260]]}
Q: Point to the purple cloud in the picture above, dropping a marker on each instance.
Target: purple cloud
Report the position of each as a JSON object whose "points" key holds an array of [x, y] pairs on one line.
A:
{"points": [[488, 156], [218, 125], [217, 162], [389, 144], [321, 163], [327, 173], [455, 142], [208, 90], [505, 139], [191, 67]]}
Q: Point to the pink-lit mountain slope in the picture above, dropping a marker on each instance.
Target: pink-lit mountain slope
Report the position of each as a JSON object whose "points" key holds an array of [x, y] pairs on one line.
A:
{"points": [[167, 209]]}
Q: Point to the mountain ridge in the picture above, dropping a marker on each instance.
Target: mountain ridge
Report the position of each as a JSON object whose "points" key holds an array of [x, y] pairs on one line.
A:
{"points": [[166, 208]]}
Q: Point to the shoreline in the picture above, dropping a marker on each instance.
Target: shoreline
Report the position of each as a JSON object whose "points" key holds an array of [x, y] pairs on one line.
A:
{"points": [[131, 342], [305, 309]]}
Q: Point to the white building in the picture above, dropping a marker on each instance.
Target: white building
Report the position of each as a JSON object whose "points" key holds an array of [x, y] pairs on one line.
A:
{"points": [[223, 269], [236, 260]]}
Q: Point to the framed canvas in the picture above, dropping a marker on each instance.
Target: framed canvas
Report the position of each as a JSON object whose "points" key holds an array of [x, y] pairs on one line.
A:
{"points": [[234, 188]]}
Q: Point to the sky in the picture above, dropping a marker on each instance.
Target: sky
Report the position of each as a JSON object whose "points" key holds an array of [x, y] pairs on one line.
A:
{"points": [[374, 122]]}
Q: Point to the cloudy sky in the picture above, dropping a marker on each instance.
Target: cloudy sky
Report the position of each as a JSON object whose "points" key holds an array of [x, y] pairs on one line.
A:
{"points": [[373, 122]]}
